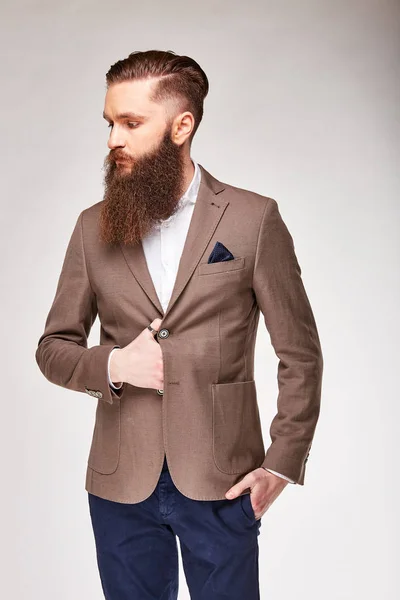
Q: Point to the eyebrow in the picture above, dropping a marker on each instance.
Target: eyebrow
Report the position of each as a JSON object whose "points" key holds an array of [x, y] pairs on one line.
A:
{"points": [[126, 115]]}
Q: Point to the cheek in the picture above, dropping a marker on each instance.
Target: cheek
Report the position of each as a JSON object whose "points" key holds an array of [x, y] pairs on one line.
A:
{"points": [[146, 139]]}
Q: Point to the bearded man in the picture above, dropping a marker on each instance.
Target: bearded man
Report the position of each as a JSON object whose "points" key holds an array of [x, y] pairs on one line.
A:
{"points": [[178, 266]]}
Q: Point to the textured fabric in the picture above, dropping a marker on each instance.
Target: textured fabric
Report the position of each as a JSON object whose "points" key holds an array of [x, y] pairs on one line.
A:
{"points": [[163, 248], [207, 422]]}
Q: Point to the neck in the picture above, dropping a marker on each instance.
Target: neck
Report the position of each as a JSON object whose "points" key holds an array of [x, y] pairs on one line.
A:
{"points": [[188, 172]]}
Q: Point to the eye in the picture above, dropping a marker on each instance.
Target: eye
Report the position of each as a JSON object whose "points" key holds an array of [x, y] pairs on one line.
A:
{"points": [[130, 125]]}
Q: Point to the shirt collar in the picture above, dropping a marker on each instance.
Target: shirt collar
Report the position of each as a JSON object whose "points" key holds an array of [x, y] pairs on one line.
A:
{"points": [[190, 196]]}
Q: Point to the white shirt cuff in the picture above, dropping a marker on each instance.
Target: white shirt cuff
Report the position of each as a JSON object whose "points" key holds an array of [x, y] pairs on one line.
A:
{"points": [[108, 371], [279, 475]]}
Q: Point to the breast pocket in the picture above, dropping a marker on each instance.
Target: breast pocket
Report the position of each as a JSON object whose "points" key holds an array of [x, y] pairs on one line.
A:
{"points": [[223, 266]]}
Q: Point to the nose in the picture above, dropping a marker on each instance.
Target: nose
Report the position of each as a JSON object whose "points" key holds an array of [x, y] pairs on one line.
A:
{"points": [[115, 139]]}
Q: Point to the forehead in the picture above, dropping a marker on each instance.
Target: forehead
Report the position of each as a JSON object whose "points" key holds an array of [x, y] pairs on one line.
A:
{"points": [[132, 96]]}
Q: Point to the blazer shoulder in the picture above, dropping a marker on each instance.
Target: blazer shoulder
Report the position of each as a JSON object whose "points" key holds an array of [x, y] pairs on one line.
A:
{"points": [[253, 201], [92, 211], [90, 216], [88, 220]]}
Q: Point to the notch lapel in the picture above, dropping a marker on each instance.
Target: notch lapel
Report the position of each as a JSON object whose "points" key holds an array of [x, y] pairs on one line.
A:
{"points": [[206, 215]]}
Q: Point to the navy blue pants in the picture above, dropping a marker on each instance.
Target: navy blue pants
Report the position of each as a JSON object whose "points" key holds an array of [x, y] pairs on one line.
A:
{"points": [[137, 551]]}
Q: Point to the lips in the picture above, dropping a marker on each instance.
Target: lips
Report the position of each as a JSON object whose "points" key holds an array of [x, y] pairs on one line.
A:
{"points": [[120, 159]]}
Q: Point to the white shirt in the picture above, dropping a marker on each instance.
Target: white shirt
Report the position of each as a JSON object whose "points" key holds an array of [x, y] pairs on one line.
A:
{"points": [[163, 247]]}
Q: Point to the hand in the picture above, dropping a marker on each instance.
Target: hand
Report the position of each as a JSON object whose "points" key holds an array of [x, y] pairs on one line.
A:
{"points": [[264, 486], [140, 363]]}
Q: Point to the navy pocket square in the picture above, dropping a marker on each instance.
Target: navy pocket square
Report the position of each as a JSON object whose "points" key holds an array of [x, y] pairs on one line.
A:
{"points": [[220, 253]]}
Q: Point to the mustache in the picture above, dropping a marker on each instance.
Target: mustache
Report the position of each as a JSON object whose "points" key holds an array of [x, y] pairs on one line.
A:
{"points": [[115, 155]]}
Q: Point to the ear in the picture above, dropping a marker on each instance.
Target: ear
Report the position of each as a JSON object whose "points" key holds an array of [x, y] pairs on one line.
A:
{"points": [[182, 127]]}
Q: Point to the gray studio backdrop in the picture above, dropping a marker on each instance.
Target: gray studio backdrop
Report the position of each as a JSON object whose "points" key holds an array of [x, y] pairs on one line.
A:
{"points": [[304, 106]]}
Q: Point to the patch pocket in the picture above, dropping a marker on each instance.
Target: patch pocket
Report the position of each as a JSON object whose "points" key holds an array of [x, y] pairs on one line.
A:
{"points": [[237, 436], [105, 447], [222, 266]]}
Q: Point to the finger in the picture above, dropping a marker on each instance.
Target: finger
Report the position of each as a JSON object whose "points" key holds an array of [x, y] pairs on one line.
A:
{"points": [[155, 324], [234, 491]]}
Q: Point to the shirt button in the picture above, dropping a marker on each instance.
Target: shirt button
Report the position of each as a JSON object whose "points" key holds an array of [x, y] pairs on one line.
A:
{"points": [[163, 333]]}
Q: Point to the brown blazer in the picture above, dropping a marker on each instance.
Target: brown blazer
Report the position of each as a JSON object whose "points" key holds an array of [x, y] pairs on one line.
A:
{"points": [[207, 421]]}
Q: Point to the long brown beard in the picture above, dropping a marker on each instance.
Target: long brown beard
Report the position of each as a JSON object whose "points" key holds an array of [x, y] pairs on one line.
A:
{"points": [[140, 196]]}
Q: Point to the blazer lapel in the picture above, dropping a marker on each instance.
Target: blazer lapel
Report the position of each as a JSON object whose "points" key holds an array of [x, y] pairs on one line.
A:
{"points": [[136, 260], [207, 213]]}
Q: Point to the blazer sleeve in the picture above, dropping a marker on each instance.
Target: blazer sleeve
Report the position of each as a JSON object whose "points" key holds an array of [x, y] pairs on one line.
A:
{"points": [[289, 319], [62, 353]]}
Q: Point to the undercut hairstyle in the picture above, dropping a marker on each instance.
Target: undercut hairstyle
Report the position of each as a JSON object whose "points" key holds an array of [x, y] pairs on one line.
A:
{"points": [[180, 78]]}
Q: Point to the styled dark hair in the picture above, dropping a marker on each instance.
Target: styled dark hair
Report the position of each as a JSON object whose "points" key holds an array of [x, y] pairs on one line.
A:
{"points": [[179, 77]]}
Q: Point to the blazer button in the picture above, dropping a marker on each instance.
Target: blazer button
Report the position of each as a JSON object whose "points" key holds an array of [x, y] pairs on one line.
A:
{"points": [[163, 333], [160, 392]]}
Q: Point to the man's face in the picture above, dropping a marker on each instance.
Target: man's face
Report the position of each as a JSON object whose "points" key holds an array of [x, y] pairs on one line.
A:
{"points": [[144, 169]]}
